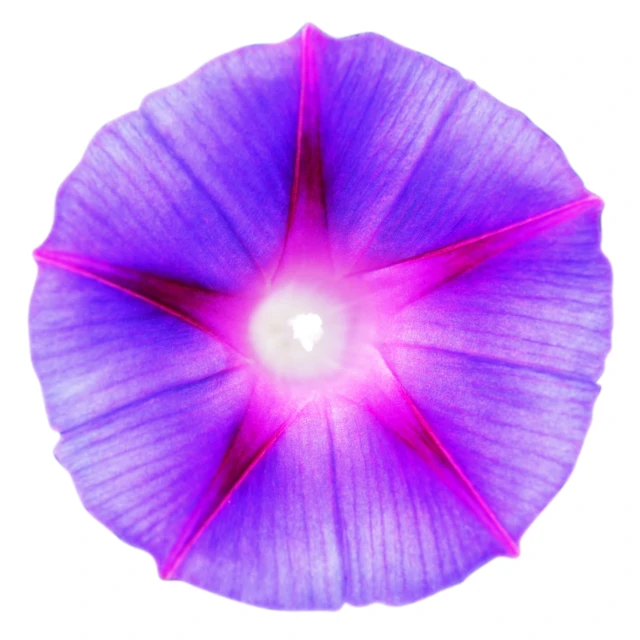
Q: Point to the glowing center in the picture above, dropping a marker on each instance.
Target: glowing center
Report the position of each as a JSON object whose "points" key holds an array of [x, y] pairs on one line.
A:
{"points": [[299, 334], [307, 327]]}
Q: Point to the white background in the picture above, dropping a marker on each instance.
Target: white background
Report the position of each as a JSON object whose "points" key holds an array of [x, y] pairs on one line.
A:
{"points": [[69, 67]]}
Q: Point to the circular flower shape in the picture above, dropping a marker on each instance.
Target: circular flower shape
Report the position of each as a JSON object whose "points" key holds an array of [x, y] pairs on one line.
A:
{"points": [[321, 323]]}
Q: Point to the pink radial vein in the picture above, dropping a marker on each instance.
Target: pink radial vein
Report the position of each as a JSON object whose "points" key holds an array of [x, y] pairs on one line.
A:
{"points": [[306, 243], [212, 312], [423, 440], [257, 433]]}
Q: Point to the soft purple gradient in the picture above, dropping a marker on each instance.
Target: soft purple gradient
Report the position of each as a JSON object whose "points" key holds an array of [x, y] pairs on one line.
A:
{"points": [[465, 253]]}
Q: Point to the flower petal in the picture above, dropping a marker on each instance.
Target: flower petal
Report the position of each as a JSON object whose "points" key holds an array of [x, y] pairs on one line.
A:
{"points": [[406, 534], [338, 510], [145, 403], [503, 361], [195, 186], [268, 414], [417, 158], [232, 127], [275, 541]]}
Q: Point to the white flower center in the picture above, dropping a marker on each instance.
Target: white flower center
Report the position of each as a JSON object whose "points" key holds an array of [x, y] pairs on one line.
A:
{"points": [[307, 327], [299, 334]]}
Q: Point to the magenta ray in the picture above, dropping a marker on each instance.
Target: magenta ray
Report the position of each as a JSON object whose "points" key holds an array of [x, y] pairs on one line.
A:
{"points": [[217, 314], [267, 416], [387, 399], [306, 245], [399, 284]]}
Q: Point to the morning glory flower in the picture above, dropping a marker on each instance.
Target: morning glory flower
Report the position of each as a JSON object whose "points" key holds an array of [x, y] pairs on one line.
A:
{"points": [[321, 323]]}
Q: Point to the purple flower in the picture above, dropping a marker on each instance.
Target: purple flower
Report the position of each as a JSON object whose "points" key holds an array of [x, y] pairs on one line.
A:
{"points": [[321, 323]]}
